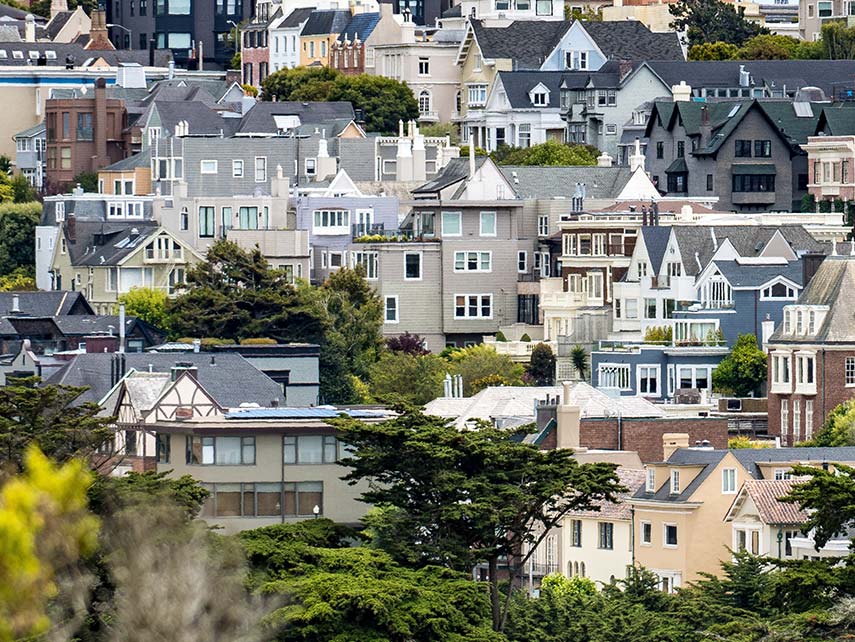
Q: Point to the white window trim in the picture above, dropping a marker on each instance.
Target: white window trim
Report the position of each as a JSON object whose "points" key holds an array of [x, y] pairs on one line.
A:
{"points": [[658, 369], [255, 169], [481, 224], [397, 309], [524, 255], [421, 266], [235, 164], [674, 489], [306, 166], [724, 491], [460, 226], [641, 533], [465, 260], [650, 480], [665, 543], [479, 316], [202, 166]]}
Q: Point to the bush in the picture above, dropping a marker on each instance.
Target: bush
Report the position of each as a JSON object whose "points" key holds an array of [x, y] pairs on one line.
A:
{"points": [[659, 335], [500, 336], [206, 342], [525, 338], [737, 443], [258, 341]]}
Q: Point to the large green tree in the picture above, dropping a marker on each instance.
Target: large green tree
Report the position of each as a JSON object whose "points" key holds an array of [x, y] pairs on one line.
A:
{"points": [[482, 366], [48, 417], [469, 497], [743, 371], [148, 304], [541, 365], [18, 235], [383, 101], [402, 376], [706, 21]]}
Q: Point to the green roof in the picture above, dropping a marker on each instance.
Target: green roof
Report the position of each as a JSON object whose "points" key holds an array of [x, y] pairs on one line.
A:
{"points": [[678, 166]]}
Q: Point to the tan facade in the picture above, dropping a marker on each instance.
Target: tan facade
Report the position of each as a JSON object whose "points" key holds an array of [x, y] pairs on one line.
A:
{"points": [[135, 181], [315, 50]]}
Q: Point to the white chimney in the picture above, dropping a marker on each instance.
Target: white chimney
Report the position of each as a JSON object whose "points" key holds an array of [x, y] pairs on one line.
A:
{"points": [[767, 327], [636, 159], [681, 92], [567, 421], [16, 303], [604, 160], [30, 28], [121, 327]]}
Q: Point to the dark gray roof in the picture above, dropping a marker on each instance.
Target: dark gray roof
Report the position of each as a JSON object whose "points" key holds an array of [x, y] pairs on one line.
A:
{"points": [[55, 25], [746, 276], [30, 132], [201, 119], [80, 55], [709, 459], [751, 457], [526, 42], [260, 119], [560, 181], [518, 84], [361, 25], [453, 12], [455, 171], [325, 22], [218, 379], [656, 241], [142, 159], [296, 18], [632, 40], [45, 304], [99, 244]]}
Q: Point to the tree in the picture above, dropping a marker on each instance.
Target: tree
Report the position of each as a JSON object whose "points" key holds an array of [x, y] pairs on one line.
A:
{"points": [[50, 418], [480, 361], [409, 343], [713, 51], [42, 7], [109, 494], [548, 153], [829, 497], [541, 366], [44, 531], [19, 280], [708, 21], [743, 371], [404, 376], [383, 101], [22, 191], [88, 181], [838, 41], [148, 304], [469, 497], [579, 359], [587, 14], [839, 427], [235, 294], [769, 47], [351, 316], [5, 165], [18, 235]]}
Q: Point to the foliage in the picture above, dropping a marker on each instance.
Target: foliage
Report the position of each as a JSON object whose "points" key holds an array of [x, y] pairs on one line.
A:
{"points": [[87, 180], [148, 304], [18, 235], [769, 47], [383, 101], [715, 338], [585, 13], [408, 377], [235, 61], [44, 531], [743, 371], [109, 494], [22, 191], [500, 337], [549, 153], [235, 294], [838, 41], [249, 90], [19, 280], [829, 497], [477, 362], [440, 130], [541, 366], [579, 359], [50, 418], [409, 343], [713, 51], [839, 427], [736, 443], [334, 591], [42, 7], [258, 341], [469, 497], [709, 21], [525, 338], [659, 335], [5, 165], [479, 151], [351, 316]]}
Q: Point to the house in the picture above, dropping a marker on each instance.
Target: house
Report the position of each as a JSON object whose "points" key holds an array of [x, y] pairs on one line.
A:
{"points": [[348, 54], [680, 527], [830, 156], [284, 36], [255, 50], [30, 157], [318, 35], [812, 353]]}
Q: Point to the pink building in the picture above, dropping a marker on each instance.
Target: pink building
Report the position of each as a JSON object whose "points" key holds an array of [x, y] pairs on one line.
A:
{"points": [[831, 160]]}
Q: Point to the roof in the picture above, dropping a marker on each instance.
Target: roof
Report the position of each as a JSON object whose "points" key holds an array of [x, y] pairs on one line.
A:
{"points": [[56, 23], [260, 119], [456, 170], [296, 18], [324, 412], [518, 84], [656, 241], [834, 277], [201, 119], [142, 159], [629, 478], [837, 120], [107, 244], [35, 130], [526, 42], [754, 275], [44, 304], [766, 495], [632, 40], [361, 25], [217, 375], [560, 181], [81, 57], [325, 22]]}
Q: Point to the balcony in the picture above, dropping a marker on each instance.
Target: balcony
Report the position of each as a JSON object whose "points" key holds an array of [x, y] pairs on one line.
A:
{"points": [[428, 117], [516, 350]]}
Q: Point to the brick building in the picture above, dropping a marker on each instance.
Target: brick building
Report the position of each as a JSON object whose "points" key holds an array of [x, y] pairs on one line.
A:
{"points": [[812, 353], [347, 54], [255, 54], [84, 134]]}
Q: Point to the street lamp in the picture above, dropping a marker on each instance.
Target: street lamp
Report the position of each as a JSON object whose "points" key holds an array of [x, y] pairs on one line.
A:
{"points": [[124, 28], [237, 34]]}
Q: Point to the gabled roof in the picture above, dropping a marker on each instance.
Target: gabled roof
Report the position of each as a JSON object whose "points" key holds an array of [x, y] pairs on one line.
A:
{"points": [[296, 18], [707, 459], [455, 171], [518, 84], [201, 119], [656, 242], [632, 40], [361, 25], [754, 275], [260, 119], [56, 23], [142, 159], [561, 181], [837, 120], [45, 304], [325, 22], [526, 42], [30, 132], [765, 494]]}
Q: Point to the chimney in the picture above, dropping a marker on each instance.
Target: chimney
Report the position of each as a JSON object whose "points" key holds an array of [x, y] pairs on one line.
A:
{"points": [[16, 304], [810, 265], [121, 327], [604, 160], [181, 367], [151, 43], [705, 116], [567, 422], [624, 68], [636, 159], [30, 27], [57, 6], [672, 441], [471, 155], [201, 54], [71, 228], [99, 39], [681, 92]]}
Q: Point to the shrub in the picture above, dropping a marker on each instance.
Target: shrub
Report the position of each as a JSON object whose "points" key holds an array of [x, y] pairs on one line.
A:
{"points": [[258, 341], [525, 338], [500, 336]]}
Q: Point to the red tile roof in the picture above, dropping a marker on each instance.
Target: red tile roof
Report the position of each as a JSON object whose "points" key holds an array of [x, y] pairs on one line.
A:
{"points": [[765, 494], [632, 480]]}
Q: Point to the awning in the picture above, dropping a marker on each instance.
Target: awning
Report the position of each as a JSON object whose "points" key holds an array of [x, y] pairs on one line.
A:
{"points": [[677, 167], [754, 169]]}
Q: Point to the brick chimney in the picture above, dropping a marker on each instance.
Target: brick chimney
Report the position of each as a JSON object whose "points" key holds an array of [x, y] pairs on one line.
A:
{"points": [[672, 441], [99, 39], [100, 125]]}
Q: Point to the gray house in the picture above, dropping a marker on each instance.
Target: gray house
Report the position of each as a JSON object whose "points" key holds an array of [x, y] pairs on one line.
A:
{"points": [[30, 157]]}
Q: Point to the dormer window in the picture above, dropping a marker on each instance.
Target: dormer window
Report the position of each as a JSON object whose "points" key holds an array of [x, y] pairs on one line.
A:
{"points": [[576, 60], [675, 482], [538, 99]]}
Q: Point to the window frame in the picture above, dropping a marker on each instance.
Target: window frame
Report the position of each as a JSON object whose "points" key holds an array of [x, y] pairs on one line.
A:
{"points": [[386, 299], [420, 266]]}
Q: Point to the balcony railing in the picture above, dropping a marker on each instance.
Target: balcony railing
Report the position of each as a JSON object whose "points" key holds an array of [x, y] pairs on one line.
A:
{"points": [[366, 229], [428, 116]]}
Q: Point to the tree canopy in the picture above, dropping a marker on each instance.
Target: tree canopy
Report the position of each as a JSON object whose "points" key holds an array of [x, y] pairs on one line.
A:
{"points": [[549, 153], [147, 304], [18, 236], [481, 366], [743, 371], [383, 101], [541, 367], [706, 21]]}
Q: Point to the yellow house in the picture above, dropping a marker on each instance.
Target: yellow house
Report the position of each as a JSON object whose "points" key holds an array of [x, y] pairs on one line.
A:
{"points": [[129, 177], [680, 527], [319, 33]]}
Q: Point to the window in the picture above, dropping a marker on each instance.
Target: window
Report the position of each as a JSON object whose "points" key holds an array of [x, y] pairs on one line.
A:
{"points": [[576, 533], [424, 102], [763, 148], [728, 481], [206, 222], [413, 266], [778, 291], [368, 261], [84, 126], [310, 449], [163, 448], [260, 169], [613, 376], [824, 9], [538, 98], [650, 480], [336, 260], [753, 182], [631, 308], [208, 167], [797, 421], [607, 535], [248, 218], [646, 533], [473, 306], [783, 473], [648, 380], [785, 416], [649, 308], [524, 135], [488, 224], [311, 167], [473, 261], [544, 8], [424, 66], [681, 148], [543, 225], [331, 221], [743, 149], [522, 261], [670, 535], [675, 482], [611, 130], [477, 95], [850, 371], [808, 418], [221, 451], [237, 168], [451, 225], [264, 499], [65, 157], [660, 149], [390, 309]]}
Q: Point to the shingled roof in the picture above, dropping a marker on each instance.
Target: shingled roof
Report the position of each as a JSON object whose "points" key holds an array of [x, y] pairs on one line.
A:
{"points": [[526, 42], [518, 84], [325, 22], [632, 40], [629, 478], [361, 25], [765, 494]]}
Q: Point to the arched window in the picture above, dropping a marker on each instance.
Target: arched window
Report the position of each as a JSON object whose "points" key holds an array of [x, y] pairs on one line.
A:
{"points": [[582, 569], [569, 569], [575, 568], [424, 101], [458, 101]]}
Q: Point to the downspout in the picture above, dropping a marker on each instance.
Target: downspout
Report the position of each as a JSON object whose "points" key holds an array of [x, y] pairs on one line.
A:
{"points": [[632, 535], [282, 483], [620, 430], [823, 382]]}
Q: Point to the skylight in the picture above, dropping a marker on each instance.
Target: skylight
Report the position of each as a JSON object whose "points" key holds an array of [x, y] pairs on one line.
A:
{"points": [[733, 111]]}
